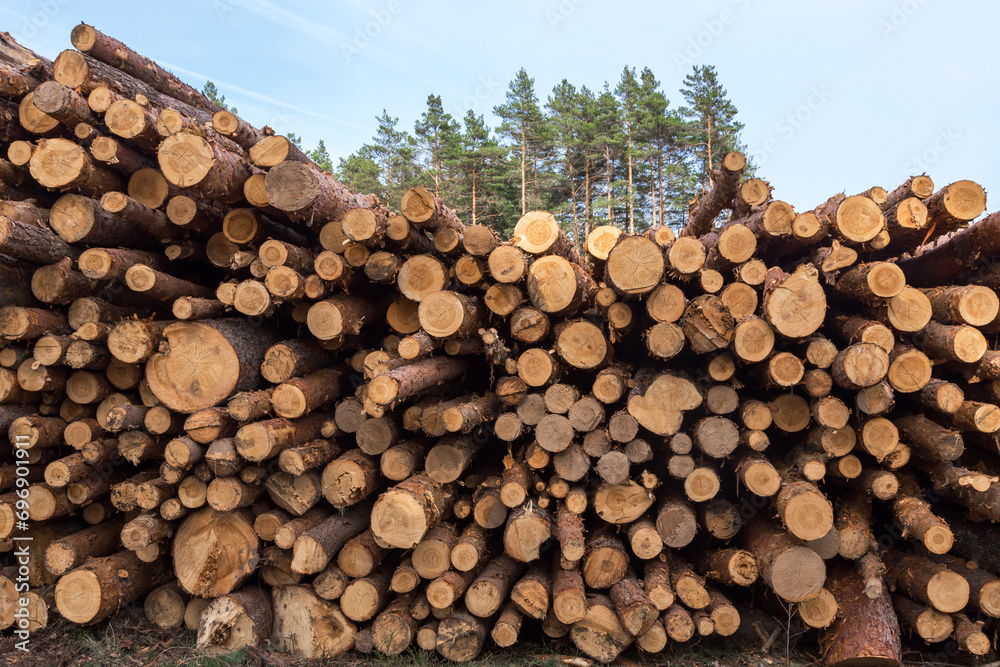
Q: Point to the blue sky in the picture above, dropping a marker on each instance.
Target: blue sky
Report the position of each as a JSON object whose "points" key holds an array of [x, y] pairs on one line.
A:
{"points": [[835, 96]]}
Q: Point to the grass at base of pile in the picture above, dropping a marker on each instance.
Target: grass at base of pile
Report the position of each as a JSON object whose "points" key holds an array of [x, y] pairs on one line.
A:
{"points": [[128, 640]]}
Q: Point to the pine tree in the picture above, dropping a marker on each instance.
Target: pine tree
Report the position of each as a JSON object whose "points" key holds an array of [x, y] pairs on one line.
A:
{"points": [[607, 142], [566, 125], [295, 139], [479, 168], [359, 171], [522, 125], [653, 105], [393, 151], [628, 94], [714, 130], [588, 114], [438, 137], [211, 91], [681, 181], [321, 157]]}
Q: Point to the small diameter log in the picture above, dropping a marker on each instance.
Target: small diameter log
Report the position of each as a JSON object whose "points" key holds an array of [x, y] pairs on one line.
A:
{"points": [[350, 478], [635, 609], [411, 379], [299, 396], [490, 589], [606, 560], [928, 582], [70, 552], [314, 549]]}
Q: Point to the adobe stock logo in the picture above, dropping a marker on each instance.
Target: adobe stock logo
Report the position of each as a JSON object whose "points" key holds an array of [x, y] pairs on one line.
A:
{"points": [[711, 30]]}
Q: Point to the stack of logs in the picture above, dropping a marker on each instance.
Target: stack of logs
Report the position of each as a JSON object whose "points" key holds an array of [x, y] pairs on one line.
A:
{"points": [[276, 411]]}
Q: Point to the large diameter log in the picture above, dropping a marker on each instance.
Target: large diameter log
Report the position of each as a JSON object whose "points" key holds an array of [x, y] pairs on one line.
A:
{"points": [[235, 621], [65, 105], [659, 401], [62, 164], [528, 528], [214, 552], [600, 634], [100, 587], [928, 582], [635, 265], [460, 637], [188, 160], [446, 314], [795, 304], [793, 571], [403, 514], [307, 626], [866, 631], [206, 362], [557, 286], [309, 196], [80, 219]]}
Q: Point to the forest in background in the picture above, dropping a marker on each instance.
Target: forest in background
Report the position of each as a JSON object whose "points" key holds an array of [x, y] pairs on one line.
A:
{"points": [[621, 155]]}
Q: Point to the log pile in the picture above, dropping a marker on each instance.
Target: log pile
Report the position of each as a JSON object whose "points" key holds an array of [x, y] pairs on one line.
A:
{"points": [[267, 407]]}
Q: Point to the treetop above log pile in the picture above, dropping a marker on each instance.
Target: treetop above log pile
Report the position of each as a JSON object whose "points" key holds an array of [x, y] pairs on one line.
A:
{"points": [[352, 427]]}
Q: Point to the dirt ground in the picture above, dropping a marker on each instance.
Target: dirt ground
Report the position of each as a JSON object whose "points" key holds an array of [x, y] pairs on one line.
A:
{"points": [[128, 640]]}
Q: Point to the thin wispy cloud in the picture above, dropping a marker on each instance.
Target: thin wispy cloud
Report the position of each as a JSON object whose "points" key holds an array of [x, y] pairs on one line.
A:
{"points": [[294, 21], [282, 105], [315, 29]]}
